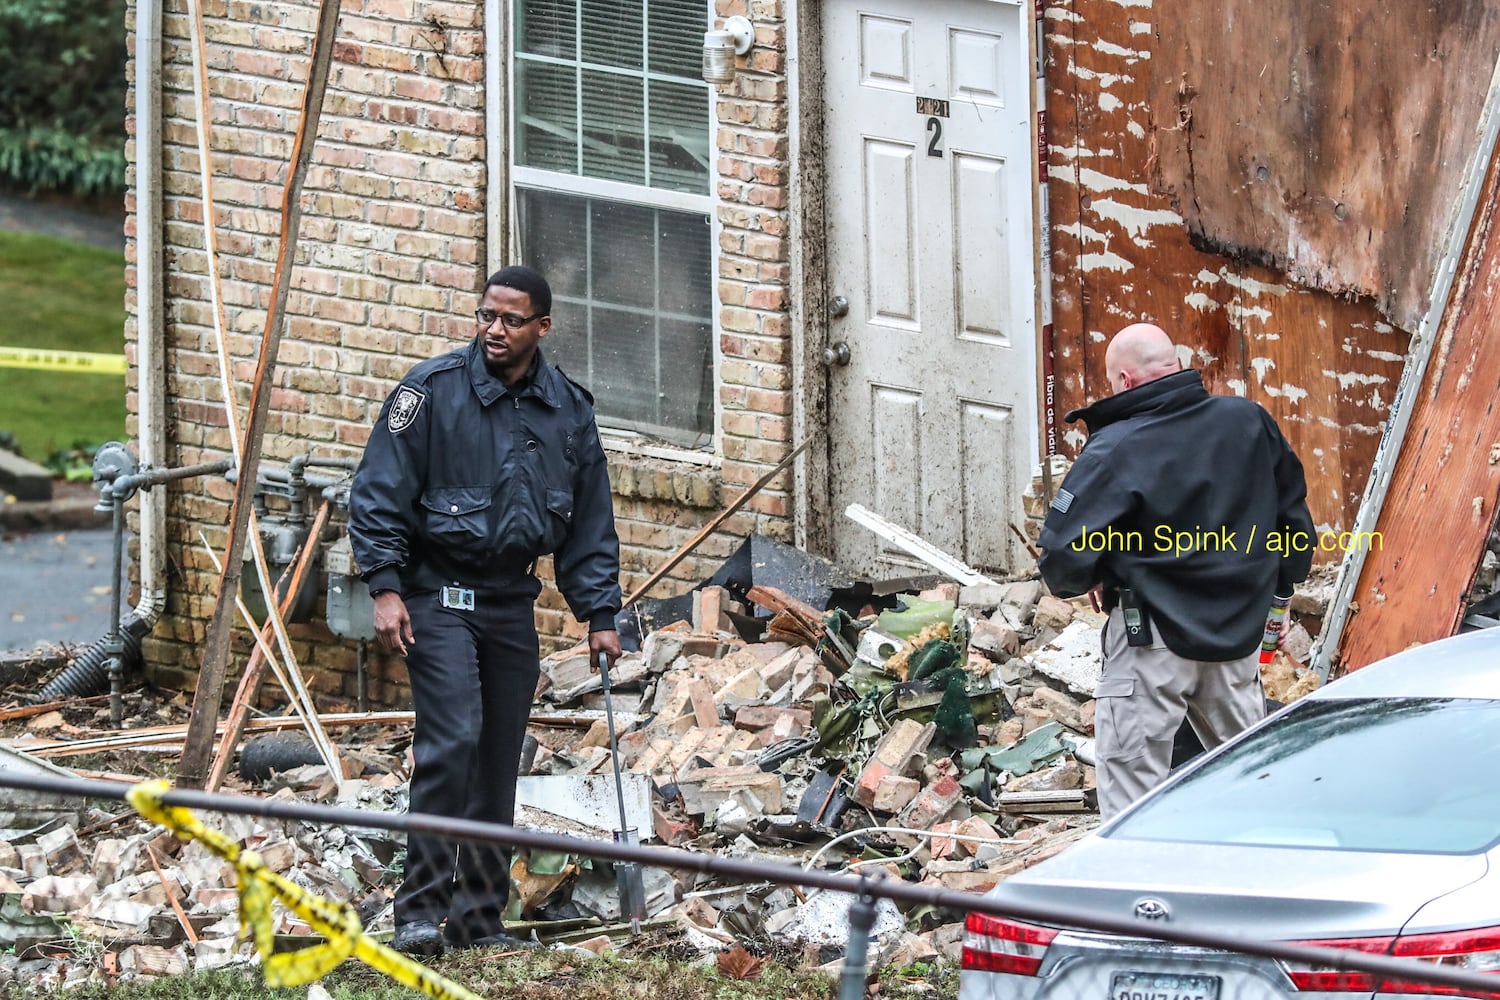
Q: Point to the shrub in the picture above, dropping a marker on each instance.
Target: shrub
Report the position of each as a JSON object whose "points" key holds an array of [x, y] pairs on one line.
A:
{"points": [[62, 95]]}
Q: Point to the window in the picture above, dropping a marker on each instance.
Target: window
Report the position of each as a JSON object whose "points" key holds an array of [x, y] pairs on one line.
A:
{"points": [[1374, 774], [611, 173]]}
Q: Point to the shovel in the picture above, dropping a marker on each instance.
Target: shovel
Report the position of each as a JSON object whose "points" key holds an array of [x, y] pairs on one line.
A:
{"points": [[628, 880]]}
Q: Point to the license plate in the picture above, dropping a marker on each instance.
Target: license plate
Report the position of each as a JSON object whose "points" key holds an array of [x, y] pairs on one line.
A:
{"points": [[1162, 986]]}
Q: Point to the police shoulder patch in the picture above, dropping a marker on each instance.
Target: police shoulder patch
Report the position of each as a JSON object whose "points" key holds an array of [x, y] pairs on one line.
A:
{"points": [[404, 408], [1062, 501]]}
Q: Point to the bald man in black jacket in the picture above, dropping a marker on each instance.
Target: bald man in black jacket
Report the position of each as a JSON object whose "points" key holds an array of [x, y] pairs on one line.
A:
{"points": [[1189, 512]]}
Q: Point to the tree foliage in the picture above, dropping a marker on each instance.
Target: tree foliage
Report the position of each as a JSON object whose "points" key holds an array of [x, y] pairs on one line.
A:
{"points": [[62, 95]]}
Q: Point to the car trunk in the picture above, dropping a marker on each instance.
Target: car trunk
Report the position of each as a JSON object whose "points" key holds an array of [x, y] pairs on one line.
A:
{"points": [[1260, 893]]}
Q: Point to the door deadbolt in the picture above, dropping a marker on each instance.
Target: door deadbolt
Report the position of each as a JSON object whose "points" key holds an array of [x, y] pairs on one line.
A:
{"points": [[836, 354], [838, 306]]}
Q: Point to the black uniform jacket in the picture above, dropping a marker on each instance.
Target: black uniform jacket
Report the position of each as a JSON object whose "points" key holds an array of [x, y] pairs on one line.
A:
{"points": [[1194, 501], [466, 482]]}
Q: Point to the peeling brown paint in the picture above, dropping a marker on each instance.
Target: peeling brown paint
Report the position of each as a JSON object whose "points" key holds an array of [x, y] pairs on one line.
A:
{"points": [[1440, 505], [1328, 138], [1123, 250]]}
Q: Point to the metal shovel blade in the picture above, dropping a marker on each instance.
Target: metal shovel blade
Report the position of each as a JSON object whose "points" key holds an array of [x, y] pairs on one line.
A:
{"points": [[628, 879]]}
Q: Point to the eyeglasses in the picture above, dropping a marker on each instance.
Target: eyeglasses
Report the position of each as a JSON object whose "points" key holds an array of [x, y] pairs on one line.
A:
{"points": [[511, 321]]}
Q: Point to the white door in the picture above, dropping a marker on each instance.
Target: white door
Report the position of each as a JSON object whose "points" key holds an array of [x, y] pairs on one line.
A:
{"points": [[933, 418]]}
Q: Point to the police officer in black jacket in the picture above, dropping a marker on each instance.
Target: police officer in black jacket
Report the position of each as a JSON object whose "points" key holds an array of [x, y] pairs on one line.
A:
{"points": [[1189, 512], [482, 460]]}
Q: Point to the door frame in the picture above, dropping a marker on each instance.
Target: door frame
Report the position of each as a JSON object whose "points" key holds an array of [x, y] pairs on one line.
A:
{"points": [[812, 495]]}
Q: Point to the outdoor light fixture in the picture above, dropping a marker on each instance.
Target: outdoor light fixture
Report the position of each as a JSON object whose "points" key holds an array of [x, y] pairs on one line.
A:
{"points": [[722, 45]]}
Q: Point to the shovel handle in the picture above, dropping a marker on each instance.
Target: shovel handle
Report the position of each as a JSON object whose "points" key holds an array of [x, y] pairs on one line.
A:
{"points": [[614, 750]]}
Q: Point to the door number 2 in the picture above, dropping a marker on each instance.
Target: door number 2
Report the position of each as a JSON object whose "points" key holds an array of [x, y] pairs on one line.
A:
{"points": [[934, 137]]}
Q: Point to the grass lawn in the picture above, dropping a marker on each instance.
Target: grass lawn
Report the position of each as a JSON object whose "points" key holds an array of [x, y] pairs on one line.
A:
{"points": [[60, 295], [545, 975]]}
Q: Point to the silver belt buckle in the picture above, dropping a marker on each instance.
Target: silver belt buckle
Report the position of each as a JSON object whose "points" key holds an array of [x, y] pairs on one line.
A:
{"points": [[457, 598]]}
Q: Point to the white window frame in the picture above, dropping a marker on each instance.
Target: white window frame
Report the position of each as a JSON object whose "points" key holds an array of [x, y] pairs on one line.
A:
{"points": [[505, 175]]}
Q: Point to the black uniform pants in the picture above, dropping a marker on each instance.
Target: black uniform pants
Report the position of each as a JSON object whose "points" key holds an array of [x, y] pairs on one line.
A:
{"points": [[473, 675]]}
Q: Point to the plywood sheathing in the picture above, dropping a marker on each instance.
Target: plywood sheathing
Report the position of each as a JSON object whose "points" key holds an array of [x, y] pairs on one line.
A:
{"points": [[1441, 501], [1327, 139], [1326, 366]]}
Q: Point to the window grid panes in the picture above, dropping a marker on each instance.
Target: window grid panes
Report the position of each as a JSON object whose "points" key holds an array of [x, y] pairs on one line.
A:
{"points": [[631, 307], [612, 145], [619, 84]]}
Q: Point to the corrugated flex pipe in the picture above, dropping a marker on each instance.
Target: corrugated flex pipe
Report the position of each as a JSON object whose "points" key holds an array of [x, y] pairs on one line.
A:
{"points": [[88, 674]]}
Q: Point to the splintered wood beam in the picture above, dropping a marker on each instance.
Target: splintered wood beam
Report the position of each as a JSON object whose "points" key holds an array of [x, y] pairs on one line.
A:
{"points": [[1420, 561], [255, 670], [154, 736], [720, 518], [198, 744], [1378, 485]]}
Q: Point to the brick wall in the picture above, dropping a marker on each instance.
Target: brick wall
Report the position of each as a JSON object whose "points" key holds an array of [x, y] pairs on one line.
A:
{"points": [[390, 258]]}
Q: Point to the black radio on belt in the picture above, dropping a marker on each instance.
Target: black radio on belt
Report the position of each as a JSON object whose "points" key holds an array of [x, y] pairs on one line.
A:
{"points": [[1137, 624]]}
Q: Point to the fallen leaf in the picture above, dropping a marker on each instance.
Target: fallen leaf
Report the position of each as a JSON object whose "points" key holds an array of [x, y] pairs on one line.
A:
{"points": [[737, 963]]}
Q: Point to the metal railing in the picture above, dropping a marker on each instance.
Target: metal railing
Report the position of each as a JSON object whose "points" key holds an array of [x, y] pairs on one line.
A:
{"points": [[863, 890]]}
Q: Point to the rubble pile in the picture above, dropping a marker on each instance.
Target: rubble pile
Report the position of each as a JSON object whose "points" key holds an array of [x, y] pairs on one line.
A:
{"points": [[946, 741], [89, 894]]}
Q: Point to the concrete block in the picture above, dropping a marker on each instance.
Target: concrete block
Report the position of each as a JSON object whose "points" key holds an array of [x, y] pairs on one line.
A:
{"points": [[111, 860], [1059, 777], [704, 788], [123, 913], [23, 478], [33, 860], [149, 960], [754, 718], [215, 953], [1052, 612], [934, 803], [776, 673], [1058, 705], [705, 710], [588, 799], [998, 642], [1073, 657], [217, 899], [902, 742], [58, 893], [744, 688], [893, 792]]}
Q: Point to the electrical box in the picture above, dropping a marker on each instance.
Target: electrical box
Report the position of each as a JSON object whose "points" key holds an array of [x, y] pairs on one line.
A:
{"points": [[350, 610]]}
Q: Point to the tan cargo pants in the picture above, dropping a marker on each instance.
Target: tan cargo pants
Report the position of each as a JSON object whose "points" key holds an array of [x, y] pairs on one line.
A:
{"points": [[1142, 698]]}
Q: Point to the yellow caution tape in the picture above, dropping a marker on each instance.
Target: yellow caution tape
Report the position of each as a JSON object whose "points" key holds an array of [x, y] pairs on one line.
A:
{"points": [[62, 361], [338, 923]]}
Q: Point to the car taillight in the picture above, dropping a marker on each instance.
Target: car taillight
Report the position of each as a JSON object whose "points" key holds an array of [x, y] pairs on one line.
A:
{"points": [[993, 944], [1321, 979], [1472, 951]]}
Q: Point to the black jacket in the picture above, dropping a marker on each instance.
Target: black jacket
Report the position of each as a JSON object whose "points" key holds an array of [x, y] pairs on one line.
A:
{"points": [[1202, 506], [465, 482]]}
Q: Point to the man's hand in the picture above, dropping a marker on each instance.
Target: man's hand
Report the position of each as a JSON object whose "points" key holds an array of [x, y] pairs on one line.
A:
{"points": [[393, 624], [607, 642]]}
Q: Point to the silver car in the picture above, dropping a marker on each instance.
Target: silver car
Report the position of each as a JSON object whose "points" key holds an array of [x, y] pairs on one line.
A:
{"points": [[1364, 816]]}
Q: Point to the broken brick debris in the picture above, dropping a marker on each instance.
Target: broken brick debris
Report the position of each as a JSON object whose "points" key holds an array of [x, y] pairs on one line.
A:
{"points": [[953, 756]]}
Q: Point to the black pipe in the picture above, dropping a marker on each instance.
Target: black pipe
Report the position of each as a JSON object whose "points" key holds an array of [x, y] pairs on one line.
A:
{"points": [[88, 674]]}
